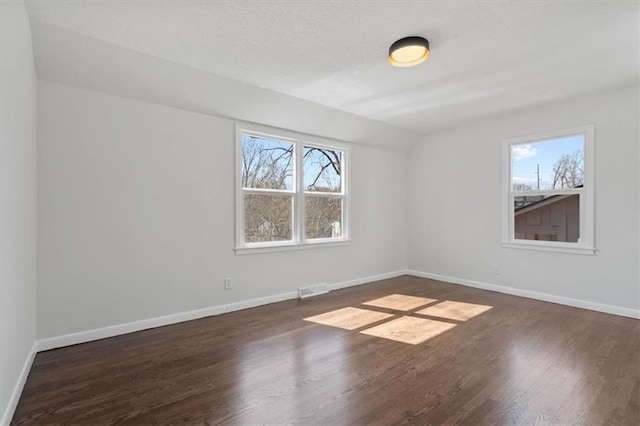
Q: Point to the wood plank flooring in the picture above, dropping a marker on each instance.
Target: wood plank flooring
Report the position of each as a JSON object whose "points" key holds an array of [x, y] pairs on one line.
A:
{"points": [[520, 362]]}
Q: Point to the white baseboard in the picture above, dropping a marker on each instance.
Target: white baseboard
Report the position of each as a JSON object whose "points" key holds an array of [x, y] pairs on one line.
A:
{"points": [[116, 330], [593, 306], [17, 389], [130, 327], [366, 280]]}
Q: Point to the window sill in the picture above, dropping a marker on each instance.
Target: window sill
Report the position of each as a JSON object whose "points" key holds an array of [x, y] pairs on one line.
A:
{"points": [[273, 248], [553, 248]]}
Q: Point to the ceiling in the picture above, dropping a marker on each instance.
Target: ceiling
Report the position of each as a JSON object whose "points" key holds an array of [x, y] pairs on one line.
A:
{"points": [[486, 58]]}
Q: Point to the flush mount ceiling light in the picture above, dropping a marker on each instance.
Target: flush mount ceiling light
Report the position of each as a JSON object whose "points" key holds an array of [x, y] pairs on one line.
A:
{"points": [[409, 51]]}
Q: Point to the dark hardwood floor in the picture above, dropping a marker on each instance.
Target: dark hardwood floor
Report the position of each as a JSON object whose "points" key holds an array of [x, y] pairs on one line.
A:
{"points": [[520, 362]]}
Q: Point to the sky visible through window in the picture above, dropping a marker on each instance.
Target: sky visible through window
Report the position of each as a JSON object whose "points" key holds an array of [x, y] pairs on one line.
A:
{"points": [[266, 163], [322, 169], [526, 157]]}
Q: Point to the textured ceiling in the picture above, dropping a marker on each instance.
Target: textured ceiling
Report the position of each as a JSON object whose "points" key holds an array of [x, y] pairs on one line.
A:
{"points": [[487, 57]]}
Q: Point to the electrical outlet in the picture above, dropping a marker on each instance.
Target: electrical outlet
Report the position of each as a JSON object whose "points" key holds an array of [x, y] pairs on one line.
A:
{"points": [[227, 283], [495, 269]]}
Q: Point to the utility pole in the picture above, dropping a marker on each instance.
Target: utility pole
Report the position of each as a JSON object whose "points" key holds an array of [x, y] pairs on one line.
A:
{"points": [[538, 173]]}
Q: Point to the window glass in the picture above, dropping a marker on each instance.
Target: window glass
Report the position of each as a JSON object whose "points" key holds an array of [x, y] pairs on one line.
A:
{"points": [[322, 169], [323, 217], [548, 193], [266, 163], [267, 217], [547, 218], [289, 192], [547, 165]]}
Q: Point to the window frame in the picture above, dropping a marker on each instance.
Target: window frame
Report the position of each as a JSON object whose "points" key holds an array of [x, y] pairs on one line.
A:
{"points": [[298, 192], [586, 244]]}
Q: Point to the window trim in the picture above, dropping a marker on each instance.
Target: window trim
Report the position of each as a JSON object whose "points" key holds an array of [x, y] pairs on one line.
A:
{"points": [[298, 193], [587, 235]]}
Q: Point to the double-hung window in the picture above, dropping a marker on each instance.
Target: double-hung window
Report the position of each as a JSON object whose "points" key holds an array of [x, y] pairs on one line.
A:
{"points": [[291, 190], [548, 191]]}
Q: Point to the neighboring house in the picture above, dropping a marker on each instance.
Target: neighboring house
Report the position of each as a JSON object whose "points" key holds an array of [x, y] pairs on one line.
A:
{"points": [[556, 218]]}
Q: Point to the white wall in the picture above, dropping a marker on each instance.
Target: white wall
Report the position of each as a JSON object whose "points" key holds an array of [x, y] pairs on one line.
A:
{"points": [[136, 212], [136, 215], [17, 203], [108, 68], [454, 204]]}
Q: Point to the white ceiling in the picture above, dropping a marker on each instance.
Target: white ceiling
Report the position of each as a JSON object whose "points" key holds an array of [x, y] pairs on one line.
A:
{"points": [[486, 57]]}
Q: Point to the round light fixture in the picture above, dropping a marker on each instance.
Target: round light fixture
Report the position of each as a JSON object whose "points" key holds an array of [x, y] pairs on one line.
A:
{"points": [[409, 51]]}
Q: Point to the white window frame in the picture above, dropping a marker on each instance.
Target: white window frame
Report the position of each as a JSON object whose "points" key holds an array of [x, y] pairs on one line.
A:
{"points": [[299, 240], [586, 244]]}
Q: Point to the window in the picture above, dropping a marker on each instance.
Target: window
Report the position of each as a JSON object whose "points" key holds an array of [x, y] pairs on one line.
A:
{"points": [[548, 191], [291, 191]]}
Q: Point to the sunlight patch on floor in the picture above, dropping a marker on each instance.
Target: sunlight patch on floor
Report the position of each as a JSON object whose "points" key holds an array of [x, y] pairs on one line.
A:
{"points": [[410, 330], [400, 302], [402, 326], [349, 318], [458, 311]]}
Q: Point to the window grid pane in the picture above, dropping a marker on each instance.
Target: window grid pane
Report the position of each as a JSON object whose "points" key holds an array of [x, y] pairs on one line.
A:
{"points": [[547, 218], [322, 169], [552, 164], [268, 217], [267, 163], [323, 217]]}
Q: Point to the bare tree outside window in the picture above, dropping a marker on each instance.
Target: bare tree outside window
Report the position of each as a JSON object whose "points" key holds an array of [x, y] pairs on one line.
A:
{"points": [[268, 183], [268, 217], [322, 174], [322, 169], [522, 187], [568, 171], [267, 163], [323, 217]]}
